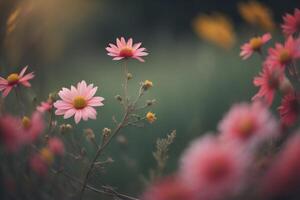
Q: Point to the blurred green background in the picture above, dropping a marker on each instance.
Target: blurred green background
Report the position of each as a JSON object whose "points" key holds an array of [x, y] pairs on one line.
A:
{"points": [[195, 82]]}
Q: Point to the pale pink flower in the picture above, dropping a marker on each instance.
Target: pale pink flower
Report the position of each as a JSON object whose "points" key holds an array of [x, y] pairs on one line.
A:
{"points": [[283, 179], [56, 146], [13, 80], [249, 124], [283, 55], [291, 24], [214, 169], [124, 49], [33, 127], [289, 109], [45, 106], [254, 45], [79, 102], [269, 80], [169, 188]]}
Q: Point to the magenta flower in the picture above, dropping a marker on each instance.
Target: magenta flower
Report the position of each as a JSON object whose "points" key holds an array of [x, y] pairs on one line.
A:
{"points": [[282, 181], [283, 55], [126, 50], [56, 146], [289, 109], [254, 45], [269, 81], [33, 127], [78, 102], [38, 165], [215, 170], [45, 106], [169, 188], [13, 80], [248, 124], [291, 23]]}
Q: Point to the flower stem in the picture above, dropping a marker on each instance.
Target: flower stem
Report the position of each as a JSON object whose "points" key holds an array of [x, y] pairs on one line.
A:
{"points": [[126, 97]]}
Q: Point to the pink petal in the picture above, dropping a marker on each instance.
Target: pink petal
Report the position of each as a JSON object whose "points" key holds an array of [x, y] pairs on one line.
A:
{"points": [[78, 116], [23, 71], [96, 101], [69, 113]]}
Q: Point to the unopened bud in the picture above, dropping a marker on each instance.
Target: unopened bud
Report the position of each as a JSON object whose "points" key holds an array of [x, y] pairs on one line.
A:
{"points": [[89, 133], [118, 97], [65, 128], [106, 132], [147, 84], [129, 76]]}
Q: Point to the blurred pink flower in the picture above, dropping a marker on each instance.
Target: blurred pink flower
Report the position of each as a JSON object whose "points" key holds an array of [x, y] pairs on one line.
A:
{"points": [[56, 146], [33, 127], [13, 80], [11, 133], [214, 169], [45, 106], [78, 101], [254, 44], [38, 165], [283, 55], [283, 179], [248, 124], [269, 81], [169, 188], [291, 24], [289, 109], [125, 49]]}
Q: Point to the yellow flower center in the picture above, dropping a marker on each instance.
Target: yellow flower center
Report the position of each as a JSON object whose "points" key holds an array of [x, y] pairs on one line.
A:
{"points": [[26, 123], [13, 78], [256, 43], [79, 102], [126, 52], [284, 56], [246, 126], [47, 155]]}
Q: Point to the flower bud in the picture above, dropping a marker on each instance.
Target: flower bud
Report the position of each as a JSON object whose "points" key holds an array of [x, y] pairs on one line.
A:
{"points": [[150, 116], [65, 128], [129, 76], [147, 84], [118, 97]]}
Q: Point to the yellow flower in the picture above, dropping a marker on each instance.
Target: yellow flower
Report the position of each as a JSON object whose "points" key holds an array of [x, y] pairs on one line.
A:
{"points": [[47, 155], [147, 84], [150, 116], [215, 28], [256, 13]]}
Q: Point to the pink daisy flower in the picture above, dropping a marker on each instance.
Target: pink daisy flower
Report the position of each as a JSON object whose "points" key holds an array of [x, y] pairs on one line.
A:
{"points": [[33, 127], [283, 179], [283, 55], [213, 169], [13, 80], [248, 123], [56, 146], [291, 23], [169, 188], [269, 80], [78, 102], [126, 50], [289, 109], [254, 45], [45, 106]]}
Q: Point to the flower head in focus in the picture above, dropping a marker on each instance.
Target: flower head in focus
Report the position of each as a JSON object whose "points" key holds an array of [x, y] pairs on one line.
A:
{"points": [[255, 13], [14, 79], [291, 23], [78, 102], [215, 28], [284, 54], [254, 45], [289, 109], [125, 50], [269, 80]]}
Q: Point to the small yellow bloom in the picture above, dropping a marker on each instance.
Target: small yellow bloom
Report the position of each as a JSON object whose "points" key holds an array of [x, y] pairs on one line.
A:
{"points": [[26, 122], [215, 28], [147, 84], [150, 116], [256, 13], [47, 155]]}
